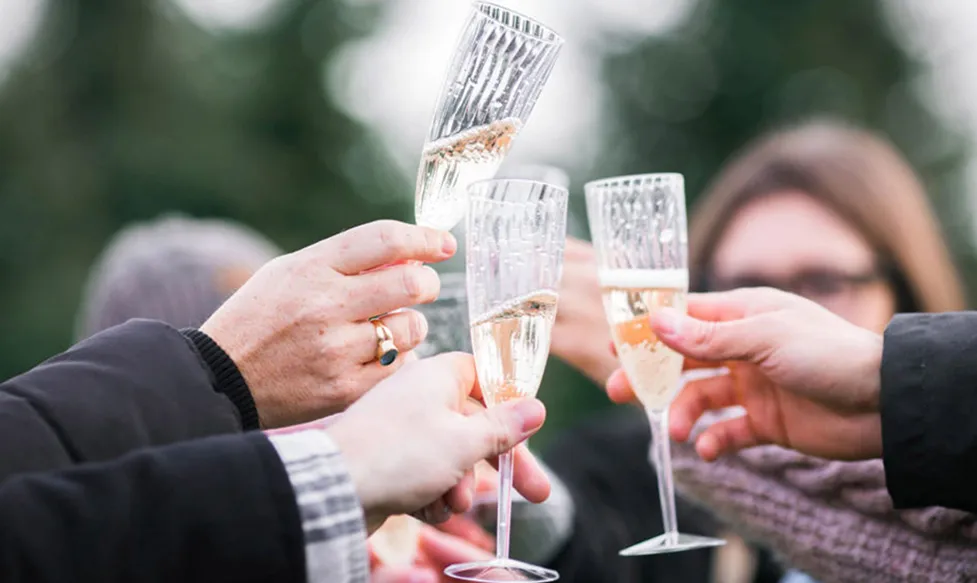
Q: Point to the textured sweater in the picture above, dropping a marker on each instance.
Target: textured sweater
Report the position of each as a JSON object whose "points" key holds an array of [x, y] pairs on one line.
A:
{"points": [[834, 520]]}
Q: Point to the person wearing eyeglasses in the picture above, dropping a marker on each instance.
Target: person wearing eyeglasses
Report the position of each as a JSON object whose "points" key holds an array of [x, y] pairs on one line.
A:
{"points": [[827, 211]]}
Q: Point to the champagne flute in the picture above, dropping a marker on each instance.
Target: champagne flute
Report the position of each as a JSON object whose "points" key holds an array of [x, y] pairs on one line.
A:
{"points": [[540, 172], [638, 228], [516, 232], [500, 65]]}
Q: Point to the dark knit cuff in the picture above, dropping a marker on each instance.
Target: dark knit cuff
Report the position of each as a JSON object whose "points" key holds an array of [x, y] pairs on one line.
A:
{"points": [[227, 378]]}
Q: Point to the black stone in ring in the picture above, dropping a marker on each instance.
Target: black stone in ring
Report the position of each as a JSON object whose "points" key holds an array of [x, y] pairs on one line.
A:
{"points": [[388, 357]]}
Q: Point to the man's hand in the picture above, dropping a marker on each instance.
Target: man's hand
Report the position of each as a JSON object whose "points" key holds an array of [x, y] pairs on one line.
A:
{"points": [[807, 379], [299, 329], [415, 438]]}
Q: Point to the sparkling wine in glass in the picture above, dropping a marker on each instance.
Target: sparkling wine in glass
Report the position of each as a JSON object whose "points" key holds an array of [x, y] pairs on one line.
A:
{"points": [[500, 65], [516, 232], [638, 228]]}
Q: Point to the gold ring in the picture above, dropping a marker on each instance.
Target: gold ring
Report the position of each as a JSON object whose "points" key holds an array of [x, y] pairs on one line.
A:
{"points": [[386, 349]]}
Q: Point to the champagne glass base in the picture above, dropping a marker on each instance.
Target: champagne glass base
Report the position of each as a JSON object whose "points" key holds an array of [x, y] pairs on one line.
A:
{"points": [[500, 570], [671, 543]]}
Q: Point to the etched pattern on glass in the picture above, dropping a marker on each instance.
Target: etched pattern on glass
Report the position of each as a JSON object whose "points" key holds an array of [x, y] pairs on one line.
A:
{"points": [[515, 235], [500, 65], [638, 222]]}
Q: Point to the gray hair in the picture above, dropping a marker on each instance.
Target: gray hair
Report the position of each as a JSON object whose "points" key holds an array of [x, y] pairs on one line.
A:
{"points": [[174, 269]]}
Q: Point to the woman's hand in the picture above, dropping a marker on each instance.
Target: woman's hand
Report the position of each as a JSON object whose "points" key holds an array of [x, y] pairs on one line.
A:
{"points": [[807, 379]]}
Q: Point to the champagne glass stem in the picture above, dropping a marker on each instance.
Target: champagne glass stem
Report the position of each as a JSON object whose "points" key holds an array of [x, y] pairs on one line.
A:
{"points": [[658, 419], [505, 506]]}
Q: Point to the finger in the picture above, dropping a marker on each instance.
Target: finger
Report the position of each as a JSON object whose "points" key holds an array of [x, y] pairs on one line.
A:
{"points": [[383, 242], [408, 328], [577, 250], [717, 306], [443, 549], [725, 437], [689, 363], [461, 367], [403, 575], [462, 495], [712, 341], [472, 406], [736, 304], [500, 428], [695, 398], [468, 530], [434, 513], [393, 288], [619, 388], [528, 477]]}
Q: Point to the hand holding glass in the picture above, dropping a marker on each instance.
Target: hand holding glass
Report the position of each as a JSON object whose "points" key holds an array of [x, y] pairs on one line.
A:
{"points": [[638, 228], [516, 232]]}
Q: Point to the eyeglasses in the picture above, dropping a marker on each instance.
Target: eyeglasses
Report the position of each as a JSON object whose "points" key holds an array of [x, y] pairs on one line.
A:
{"points": [[824, 286]]}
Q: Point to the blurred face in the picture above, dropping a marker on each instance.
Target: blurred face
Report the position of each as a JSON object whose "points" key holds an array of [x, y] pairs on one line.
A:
{"points": [[790, 241]]}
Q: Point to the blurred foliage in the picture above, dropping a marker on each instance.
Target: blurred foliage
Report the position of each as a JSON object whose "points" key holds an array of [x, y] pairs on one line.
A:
{"points": [[686, 100], [125, 109]]}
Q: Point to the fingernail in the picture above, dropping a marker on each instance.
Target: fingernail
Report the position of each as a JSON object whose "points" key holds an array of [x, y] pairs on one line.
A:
{"points": [[531, 414], [449, 244], [666, 323]]}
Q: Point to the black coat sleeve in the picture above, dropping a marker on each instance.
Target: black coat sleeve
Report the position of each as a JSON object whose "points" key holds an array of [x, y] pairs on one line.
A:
{"points": [[929, 410], [136, 385], [213, 510]]}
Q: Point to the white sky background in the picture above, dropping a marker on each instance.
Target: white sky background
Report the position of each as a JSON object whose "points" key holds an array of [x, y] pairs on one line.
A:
{"points": [[392, 79]]}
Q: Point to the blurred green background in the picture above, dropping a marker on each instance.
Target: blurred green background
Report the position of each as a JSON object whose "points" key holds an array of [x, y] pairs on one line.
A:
{"points": [[119, 110]]}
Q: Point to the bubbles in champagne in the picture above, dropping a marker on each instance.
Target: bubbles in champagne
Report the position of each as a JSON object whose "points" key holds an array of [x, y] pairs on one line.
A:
{"points": [[630, 297], [450, 165], [511, 346]]}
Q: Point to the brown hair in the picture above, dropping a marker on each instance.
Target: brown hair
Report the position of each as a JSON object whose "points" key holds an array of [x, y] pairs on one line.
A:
{"points": [[857, 175]]}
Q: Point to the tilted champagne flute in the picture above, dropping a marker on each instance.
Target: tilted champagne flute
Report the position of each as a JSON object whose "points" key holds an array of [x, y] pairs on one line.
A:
{"points": [[500, 65], [638, 228], [516, 232]]}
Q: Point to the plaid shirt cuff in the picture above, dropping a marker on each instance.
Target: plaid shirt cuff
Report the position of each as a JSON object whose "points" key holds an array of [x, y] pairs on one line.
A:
{"points": [[332, 519]]}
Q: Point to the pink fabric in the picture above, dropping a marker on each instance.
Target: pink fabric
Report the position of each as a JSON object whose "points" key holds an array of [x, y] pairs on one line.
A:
{"points": [[317, 424]]}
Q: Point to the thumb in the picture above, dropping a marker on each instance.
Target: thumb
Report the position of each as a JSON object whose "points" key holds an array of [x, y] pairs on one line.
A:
{"points": [[710, 341], [499, 429]]}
